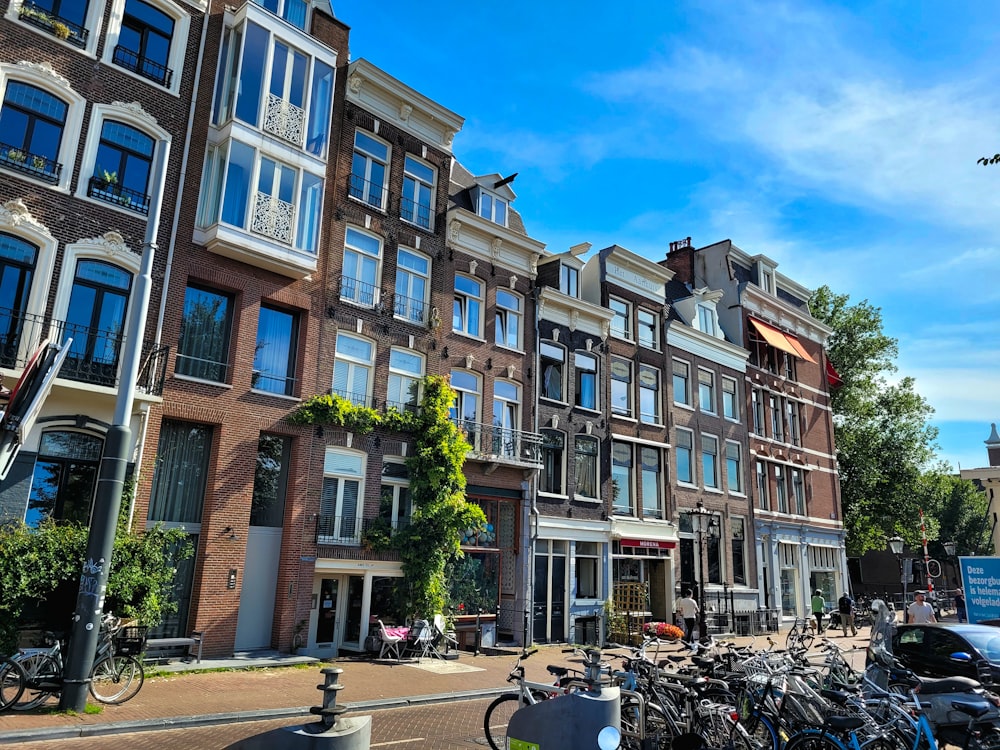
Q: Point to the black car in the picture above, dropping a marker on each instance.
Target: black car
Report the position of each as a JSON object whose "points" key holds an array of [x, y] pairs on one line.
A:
{"points": [[928, 649]]}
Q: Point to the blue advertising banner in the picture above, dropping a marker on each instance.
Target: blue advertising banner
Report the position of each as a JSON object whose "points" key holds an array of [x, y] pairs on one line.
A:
{"points": [[981, 582]]}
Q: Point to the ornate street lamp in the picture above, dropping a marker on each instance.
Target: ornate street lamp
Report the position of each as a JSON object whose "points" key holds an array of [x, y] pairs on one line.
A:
{"points": [[949, 549], [896, 545], [703, 521]]}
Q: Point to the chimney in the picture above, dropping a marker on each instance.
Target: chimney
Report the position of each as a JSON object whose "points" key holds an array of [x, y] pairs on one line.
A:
{"points": [[993, 446], [680, 260]]}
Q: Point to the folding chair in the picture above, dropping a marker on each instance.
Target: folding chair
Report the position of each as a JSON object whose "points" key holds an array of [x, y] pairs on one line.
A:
{"points": [[443, 641], [422, 643], [390, 643]]}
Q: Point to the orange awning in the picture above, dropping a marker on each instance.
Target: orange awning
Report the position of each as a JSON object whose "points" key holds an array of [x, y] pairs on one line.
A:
{"points": [[781, 340]]}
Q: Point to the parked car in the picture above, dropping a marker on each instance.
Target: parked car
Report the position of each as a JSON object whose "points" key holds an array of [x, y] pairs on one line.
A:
{"points": [[929, 649]]}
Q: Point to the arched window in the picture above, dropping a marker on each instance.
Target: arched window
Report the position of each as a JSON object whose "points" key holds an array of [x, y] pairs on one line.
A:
{"points": [[121, 172], [31, 124], [95, 319], [65, 477]]}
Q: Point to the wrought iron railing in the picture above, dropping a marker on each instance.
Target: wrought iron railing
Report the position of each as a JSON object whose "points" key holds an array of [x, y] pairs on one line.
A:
{"points": [[56, 25], [39, 167], [500, 444], [132, 60], [112, 192], [153, 370], [359, 292], [284, 119], [375, 194], [356, 398], [415, 213], [408, 308], [281, 384], [355, 531], [273, 218]]}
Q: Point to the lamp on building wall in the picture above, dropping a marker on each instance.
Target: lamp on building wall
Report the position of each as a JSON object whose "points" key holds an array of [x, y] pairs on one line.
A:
{"points": [[704, 521]]}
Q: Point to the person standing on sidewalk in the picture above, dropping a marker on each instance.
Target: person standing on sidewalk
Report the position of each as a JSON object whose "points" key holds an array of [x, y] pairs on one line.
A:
{"points": [[960, 605], [818, 609], [687, 610], [845, 605], [920, 611]]}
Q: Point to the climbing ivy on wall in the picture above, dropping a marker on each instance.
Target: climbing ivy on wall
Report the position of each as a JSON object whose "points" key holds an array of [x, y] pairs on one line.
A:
{"points": [[437, 484]]}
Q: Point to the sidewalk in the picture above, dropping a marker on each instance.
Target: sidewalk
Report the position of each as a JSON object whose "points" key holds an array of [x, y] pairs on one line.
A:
{"points": [[252, 689]]}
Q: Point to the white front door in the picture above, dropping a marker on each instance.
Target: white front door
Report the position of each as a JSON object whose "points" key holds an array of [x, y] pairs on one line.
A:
{"points": [[260, 577]]}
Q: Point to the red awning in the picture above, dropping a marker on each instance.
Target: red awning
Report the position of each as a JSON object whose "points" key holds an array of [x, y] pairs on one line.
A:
{"points": [[777, 338], [832, 376]]}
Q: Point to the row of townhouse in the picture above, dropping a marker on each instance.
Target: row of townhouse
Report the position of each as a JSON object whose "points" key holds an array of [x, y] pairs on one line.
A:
{"points": [[635, 426]]}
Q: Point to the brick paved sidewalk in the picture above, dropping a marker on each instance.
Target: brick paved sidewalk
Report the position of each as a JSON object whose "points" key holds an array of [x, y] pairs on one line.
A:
{"points": [[289, 691]]}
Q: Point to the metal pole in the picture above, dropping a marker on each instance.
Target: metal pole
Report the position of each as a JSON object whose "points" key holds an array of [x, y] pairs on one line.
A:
{"points": [[111, 479]]}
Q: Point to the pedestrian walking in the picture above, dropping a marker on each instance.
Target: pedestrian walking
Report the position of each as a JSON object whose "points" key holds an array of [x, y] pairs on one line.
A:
{"points": [[845, 605], [920, 611], [687, 610], [960, 605], [818, 609]]}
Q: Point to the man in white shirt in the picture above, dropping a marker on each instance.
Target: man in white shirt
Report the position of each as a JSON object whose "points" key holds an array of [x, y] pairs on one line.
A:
{"points": [[687, 610], [920, 611]]}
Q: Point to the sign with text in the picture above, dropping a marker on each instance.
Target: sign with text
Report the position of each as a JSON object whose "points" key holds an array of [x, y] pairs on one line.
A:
{"points": [[981, 583]]}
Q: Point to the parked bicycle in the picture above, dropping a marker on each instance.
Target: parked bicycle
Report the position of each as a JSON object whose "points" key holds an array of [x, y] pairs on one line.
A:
{"points": [[12, 681]]}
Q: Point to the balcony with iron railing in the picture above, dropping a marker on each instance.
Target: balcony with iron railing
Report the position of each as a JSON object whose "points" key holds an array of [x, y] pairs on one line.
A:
{"points": [[358, 398], [284, 119], [143, 66], [502, 445], [273, 217], [93, 357], [34, 165], [374, 194], [112, 192], [415, 213], [351, 530], [359, 292], [410, 309], [56, 25]]}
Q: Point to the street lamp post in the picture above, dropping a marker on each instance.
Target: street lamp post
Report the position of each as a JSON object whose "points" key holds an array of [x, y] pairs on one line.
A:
{"points": [[896, 545], [950, 548], [703, 520]]}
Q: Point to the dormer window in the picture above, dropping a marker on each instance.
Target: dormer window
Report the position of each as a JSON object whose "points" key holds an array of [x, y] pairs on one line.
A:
{"points": [[493, 208], [569, 281], [706, 319]]}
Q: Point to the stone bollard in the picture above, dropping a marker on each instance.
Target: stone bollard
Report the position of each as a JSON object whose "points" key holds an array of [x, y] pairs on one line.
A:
{"points": [[333, 731]]}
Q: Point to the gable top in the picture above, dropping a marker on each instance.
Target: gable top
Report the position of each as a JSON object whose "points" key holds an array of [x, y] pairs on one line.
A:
{"points": [[378, 92], [460, 194], [491, 183]]}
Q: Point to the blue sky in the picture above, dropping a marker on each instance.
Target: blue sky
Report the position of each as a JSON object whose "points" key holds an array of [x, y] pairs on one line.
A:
{"points": [[839, 139]]}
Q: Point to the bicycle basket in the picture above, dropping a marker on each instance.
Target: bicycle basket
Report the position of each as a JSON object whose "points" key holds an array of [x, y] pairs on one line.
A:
{"points": [[131, 640]]}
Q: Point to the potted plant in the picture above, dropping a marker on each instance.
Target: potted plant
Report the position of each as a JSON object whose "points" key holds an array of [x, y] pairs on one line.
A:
{"points": [[16, 155], [39, 163], [61, 30]]}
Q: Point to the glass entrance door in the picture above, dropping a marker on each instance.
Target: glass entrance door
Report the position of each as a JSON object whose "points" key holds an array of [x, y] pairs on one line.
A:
{"points": [[326, 620], [352, 621]]}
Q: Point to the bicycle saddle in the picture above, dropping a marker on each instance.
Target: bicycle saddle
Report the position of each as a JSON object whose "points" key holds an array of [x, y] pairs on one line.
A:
{"points": [[937, 685], [557, 671], [970, 708], [844, 723]]}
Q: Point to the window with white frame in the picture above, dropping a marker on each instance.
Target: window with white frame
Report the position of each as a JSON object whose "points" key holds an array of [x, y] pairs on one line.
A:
{"points": [[492, 207], [739, 549], [621, 323], [684, 452], [413, 285], [369, 170], [569, 280], [362, 270], [144, 41], [781, 488], [763, 496], [621, 387], [32, 121], [588, 570], [706, 391], [649, 394], [652, 491], [681, 382], [416, 204], [792, 420], [787, 365], [552, 361], [585, 367], [734, 466], [293, 11], [122, 168], [465, 408], [395, 502], [767, 280], [508, 319], [621, 478], [95, 320], [552, 477], [730, 404], [649, 329], [757, 408], [341, 497], [467, 314], [706, 319], [798, 492], [774, 406], [406, 372], [66, 20], [710, 460], [506, 419], [353, 365], [586, 455]]}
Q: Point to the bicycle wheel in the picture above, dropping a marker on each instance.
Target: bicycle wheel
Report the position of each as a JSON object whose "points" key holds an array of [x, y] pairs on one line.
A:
{"points": [[656, 732], [39, 669], [12, 682], [116, 679], [498, 717], [812, 740]]}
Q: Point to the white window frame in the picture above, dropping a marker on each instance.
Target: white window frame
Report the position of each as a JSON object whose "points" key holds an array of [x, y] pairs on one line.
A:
{"points": [[396, 484], [406, 375], [757, 409], [781, 488], [353, 364], [654, 417], [622, 310], [595, 373], [792, 422], [357, 298], [461, 393], [58, 87], [706, 319], [710, 447], [93, 23], [409, 174], [178, 42], [652, 325], [730, 399], [657, 511], [624, 376], [706, 391], [734, 456], [592, 558], [617, 506], [403, 309], [688, 448], [685, 396], [494, 201], [595, 458], [569, 276], [370, 158], [777, 418], [342, 476], [761, 481], [738, 522], [507, 437], [798, 491], [561, 490], [464, 298], [507, 313], [543, 358]]}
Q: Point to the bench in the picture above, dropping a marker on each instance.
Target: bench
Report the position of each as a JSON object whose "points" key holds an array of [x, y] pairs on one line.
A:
{"points": [[160, 644]]}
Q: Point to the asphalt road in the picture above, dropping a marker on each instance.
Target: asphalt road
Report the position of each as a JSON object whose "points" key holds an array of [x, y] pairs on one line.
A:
{"points": [[441, 726]]}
